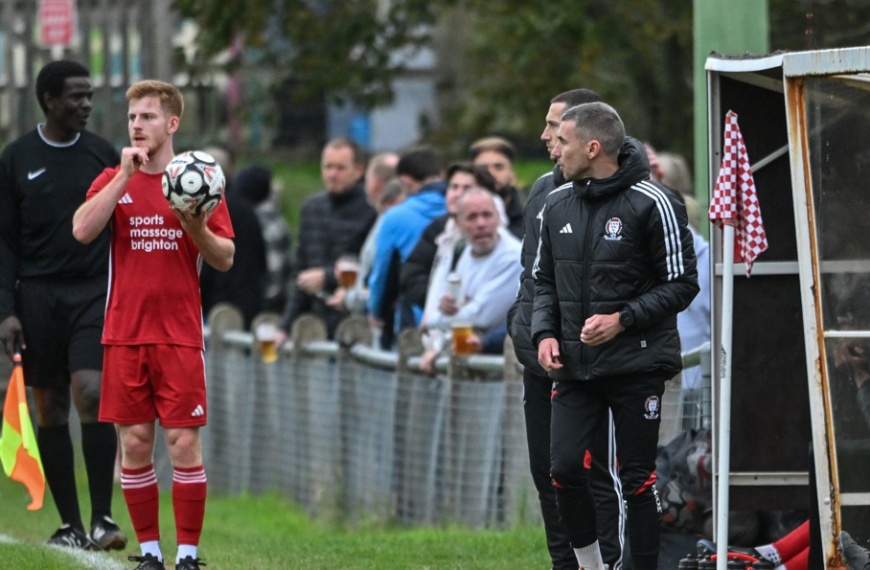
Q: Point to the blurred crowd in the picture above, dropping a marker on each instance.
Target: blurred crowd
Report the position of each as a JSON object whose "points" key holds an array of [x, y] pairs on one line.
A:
{"points": [[404, 240], [407, 241]]}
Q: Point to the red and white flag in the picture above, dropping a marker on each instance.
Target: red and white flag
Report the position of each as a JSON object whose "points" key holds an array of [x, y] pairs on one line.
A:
{"points": [[734, 199]]}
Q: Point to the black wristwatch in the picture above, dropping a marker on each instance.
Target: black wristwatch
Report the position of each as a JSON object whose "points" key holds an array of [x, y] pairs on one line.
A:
{"points": [[626, 318]]}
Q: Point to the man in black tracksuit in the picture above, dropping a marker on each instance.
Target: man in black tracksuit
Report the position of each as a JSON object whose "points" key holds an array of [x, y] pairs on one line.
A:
{"points": [[615, 265], [537, 385]]}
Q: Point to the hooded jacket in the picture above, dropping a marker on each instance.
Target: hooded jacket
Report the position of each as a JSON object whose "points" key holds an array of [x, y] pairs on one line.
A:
{"points": [[400, 230], [614, 245], [520, 314]]}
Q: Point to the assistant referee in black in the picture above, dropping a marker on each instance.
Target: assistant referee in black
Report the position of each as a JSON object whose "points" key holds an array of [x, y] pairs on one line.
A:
{"points": [[53, 295]]}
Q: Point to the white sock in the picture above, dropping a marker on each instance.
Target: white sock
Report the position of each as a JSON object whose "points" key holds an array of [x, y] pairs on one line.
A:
{"points": [[589, 557], [769, 552], [185, 550], [151, 547]]}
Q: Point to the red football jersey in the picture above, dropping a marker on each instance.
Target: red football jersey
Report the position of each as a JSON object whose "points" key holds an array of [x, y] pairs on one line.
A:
{"points": [[154, 267]]}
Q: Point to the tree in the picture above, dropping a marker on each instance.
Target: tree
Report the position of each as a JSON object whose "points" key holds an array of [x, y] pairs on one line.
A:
{"points": [[345, 48], [819, 24], [501, 60], [519, 53]]}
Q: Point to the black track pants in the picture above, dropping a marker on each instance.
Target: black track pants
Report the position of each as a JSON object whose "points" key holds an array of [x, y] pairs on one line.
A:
{"points": [[579, 412], [605, 485]]}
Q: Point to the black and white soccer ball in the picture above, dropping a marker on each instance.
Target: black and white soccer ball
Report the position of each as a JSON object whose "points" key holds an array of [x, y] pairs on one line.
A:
{"points": [[194, 181]]}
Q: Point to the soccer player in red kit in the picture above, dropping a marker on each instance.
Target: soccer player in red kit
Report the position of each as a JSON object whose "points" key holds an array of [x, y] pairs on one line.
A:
{"points": [[153, 360]]}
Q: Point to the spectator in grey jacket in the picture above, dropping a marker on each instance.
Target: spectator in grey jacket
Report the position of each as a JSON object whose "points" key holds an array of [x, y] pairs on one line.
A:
{"points": [[487, 263], [414, 275]]}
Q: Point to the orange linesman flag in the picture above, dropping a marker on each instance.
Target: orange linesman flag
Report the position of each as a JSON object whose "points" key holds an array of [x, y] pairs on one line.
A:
{"points": [[18, 450]]}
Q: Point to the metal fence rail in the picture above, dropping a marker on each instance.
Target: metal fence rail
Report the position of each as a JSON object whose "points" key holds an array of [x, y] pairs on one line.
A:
{"points": [[361, 435]]}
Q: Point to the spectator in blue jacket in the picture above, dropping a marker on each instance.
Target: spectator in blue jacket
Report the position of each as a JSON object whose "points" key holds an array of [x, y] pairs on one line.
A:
{"points": [[419, 169]]}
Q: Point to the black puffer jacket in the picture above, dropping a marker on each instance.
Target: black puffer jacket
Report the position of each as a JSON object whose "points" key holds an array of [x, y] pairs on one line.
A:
{"points": [[330, 225], [520, 314], [414, 280], [514, 212], [619, 244]]}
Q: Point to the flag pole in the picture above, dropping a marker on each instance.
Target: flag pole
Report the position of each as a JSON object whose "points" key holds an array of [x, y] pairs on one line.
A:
{"points": [[19, 452], [724, 426], [735, 208]]}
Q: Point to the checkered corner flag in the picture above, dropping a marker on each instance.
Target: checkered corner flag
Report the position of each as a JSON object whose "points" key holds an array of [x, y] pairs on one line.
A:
{"points": [[735, 202]]}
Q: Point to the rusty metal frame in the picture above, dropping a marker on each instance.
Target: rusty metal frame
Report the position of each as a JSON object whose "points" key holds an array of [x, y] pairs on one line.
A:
{"points": [[840, 64], [851, 66]]}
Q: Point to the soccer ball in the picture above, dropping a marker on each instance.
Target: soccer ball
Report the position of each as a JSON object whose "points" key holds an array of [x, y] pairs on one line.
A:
{"points": [[193, 181]]}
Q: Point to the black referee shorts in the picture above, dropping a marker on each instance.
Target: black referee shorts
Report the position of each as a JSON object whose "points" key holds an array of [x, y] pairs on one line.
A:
{"points": [[62, 322]]}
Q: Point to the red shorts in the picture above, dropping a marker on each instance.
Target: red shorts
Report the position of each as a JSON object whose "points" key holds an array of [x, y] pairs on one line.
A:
{"points": [[142, 383]]}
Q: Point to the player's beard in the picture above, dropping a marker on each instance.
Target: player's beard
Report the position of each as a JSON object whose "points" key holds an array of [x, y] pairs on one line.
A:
{"points": [[154, 148]]}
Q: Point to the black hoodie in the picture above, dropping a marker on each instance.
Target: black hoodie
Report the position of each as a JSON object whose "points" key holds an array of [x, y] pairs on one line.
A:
{"points": [[617, 244], [520, 314]]}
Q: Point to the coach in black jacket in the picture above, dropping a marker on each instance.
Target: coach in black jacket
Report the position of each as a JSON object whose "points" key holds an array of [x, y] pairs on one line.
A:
{"points": [[537, 385], [615, 265]]}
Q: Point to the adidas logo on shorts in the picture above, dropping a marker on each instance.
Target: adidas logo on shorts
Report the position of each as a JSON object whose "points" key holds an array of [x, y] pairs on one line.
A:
{"points": [[198, 411]]}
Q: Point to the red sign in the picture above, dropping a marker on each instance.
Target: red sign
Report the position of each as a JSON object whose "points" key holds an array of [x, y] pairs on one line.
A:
{"points": [[57, 21]]}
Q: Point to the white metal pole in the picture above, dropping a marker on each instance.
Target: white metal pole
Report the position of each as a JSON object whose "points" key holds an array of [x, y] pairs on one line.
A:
{"points": [[724, 428]]}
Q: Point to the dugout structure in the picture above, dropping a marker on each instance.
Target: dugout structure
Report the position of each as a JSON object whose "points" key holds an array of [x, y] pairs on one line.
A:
{"points": [[801, 326]]}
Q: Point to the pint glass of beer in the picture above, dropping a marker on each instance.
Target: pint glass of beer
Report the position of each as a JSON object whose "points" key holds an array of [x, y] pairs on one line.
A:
{"points": [[348, 268], [462, 333], [266, 335]]}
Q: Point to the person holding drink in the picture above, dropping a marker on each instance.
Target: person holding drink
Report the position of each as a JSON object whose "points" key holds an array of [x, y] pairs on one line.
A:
{"points": [[487, 265], [332, 222]]}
